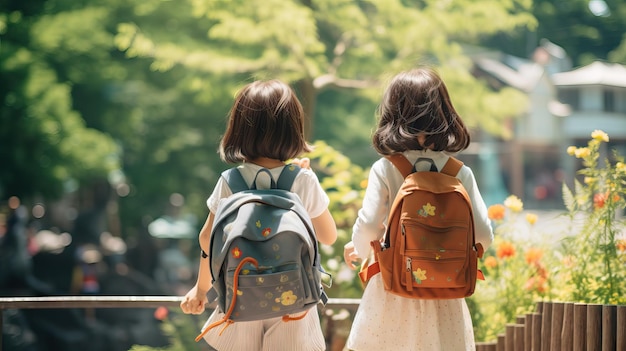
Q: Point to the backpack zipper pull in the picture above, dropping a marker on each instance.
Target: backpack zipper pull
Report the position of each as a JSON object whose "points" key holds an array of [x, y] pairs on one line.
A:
{"points": [[409, 275]]}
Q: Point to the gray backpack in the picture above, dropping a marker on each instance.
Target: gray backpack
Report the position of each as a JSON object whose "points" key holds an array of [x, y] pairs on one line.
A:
{"points": [[263, 253]]}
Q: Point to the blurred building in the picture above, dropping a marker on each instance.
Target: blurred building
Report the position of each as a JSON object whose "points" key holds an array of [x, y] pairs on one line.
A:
{"points": [[566, 105]]}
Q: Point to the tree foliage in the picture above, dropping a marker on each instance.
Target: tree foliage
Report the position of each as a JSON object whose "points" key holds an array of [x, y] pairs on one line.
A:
{"points": [[138, 91], [44, 142], [587, 30], [324, 44]]}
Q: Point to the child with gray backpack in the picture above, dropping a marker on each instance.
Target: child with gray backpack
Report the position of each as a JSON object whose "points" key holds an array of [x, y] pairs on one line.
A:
{"points": [[259, 250]]}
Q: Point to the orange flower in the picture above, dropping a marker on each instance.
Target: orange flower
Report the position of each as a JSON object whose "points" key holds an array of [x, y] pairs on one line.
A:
{"points": [[266, 231], [536, 283], [236, 252], [491, 262], [533, 255], [621, 245], [598, 200], [505, 249], [496, 212]]}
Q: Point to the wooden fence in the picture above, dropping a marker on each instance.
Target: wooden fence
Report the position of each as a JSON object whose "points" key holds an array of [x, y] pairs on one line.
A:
{"points": [[53, 302], [555, 326], [564, 326]]}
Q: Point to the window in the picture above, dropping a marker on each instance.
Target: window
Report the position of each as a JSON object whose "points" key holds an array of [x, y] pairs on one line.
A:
{"points": [[609, 100]]}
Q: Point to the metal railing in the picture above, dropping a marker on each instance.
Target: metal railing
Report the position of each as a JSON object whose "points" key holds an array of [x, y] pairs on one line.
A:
{"points": [[47, 302]]}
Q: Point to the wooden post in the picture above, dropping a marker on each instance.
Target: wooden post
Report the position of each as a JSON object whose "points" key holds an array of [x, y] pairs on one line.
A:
{"points": [[546, 325], [621, 328], [594, 327], [536, 338], [556, 325], [580, 327], [567, 333], [509, 337], [500, 345], [609, 327], [539, 307], [528, 332], [519, 337]]}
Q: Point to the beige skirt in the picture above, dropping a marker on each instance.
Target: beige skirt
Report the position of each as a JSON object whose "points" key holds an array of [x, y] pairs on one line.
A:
{"points": [[389, 322], [267, 335]]}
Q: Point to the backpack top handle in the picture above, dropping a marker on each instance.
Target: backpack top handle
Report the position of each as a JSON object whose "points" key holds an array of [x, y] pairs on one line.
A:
{"points": [[236, 183], [451, 168]]}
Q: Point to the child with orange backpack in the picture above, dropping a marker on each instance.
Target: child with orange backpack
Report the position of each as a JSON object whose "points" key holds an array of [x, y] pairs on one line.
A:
{"points": [[424, 252]]}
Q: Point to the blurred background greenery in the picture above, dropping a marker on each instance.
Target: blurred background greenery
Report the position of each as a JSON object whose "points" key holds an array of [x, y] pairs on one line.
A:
{"points": [[112, 110]]}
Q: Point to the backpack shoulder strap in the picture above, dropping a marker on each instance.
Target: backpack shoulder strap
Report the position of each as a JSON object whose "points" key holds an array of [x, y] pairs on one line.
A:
{"points": [[235, 180], [287, 177], [402, 164], [452, 167]]}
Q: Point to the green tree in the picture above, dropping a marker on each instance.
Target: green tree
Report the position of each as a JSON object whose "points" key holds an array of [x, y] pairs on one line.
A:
{"points": [[324, 44], [44, 141]]}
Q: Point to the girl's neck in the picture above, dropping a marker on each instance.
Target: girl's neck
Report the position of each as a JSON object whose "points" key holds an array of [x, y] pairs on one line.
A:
{"points": [[267, 162]]}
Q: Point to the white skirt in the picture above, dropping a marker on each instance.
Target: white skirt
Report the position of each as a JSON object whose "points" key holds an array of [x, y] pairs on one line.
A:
{"points": [[267, 335], [389, 322]]}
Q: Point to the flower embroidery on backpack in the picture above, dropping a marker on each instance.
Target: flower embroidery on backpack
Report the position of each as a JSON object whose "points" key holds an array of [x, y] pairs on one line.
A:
{"points": [[266, 231], [257, 224], [236, 252], [287, 298], [427, 210], [419, 275]]}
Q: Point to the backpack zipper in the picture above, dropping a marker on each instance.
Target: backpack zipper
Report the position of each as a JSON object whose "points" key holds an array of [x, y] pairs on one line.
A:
{"points": [[408, 274]]}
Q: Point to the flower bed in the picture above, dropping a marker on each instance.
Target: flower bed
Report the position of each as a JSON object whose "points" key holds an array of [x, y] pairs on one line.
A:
{"points": [[583, 260]]}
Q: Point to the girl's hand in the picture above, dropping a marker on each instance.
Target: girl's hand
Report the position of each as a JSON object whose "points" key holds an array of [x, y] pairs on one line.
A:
{"points": [[350, 256], [194, 301]]}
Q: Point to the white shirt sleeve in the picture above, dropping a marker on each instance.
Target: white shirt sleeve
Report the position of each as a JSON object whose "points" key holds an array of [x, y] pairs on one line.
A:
{"points": [[371, 221], [220, 191], [311, 193]]}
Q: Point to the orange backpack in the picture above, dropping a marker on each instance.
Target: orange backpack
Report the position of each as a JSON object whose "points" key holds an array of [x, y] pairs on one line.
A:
{"points": [[429, 250]]}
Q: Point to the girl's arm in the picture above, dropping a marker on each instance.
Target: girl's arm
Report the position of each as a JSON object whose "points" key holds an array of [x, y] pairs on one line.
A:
{"points": [[325, 228], [195, 300]]}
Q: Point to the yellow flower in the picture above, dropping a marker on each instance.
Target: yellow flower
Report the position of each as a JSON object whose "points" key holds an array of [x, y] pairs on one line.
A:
{"points": [[571, 150], [419, 275], [363, 183], [600, 135], [620, 167], [429, 209], [589, 180], [531, 218], [582, 152], [514, 203], [287, 298]]}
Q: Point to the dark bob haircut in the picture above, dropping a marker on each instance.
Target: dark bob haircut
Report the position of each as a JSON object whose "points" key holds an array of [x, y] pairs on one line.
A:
{"points": [[266, 120], [417, 102]]}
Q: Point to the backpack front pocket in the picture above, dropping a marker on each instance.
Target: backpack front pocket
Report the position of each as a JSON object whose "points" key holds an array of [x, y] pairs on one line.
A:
{"points": [[434, 269], [267, 295]]}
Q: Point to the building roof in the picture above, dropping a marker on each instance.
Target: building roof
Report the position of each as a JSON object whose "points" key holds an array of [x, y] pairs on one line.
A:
{"points": [[597, 73], [523, 77]]}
